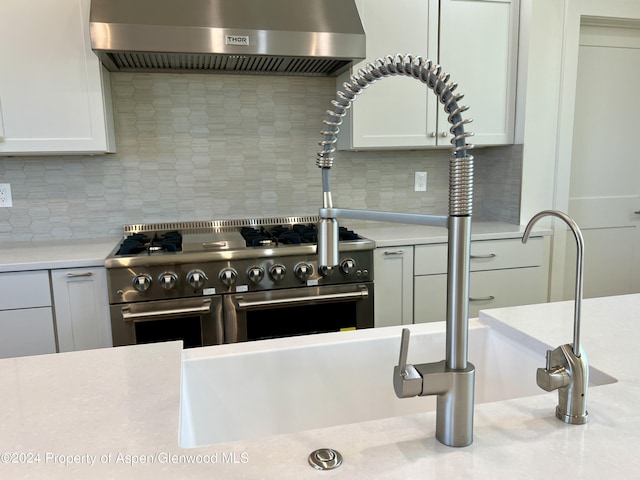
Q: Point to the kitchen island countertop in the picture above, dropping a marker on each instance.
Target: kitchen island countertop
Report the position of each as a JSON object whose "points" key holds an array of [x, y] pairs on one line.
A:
{"points": [[113, 413]]}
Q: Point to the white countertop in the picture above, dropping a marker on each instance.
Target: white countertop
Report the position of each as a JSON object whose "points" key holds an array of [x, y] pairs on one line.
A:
{"points": [[76, 253], [44, 255], [390, 235], [118, 405]]}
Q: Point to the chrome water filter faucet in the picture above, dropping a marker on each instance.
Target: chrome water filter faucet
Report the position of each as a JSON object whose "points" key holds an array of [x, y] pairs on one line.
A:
{"points": [[567, 367]]}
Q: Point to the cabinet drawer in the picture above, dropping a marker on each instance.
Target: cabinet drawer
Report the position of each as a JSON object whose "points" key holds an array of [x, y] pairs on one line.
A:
{"points": [[506, 288], [485, 255], [24, 290], [487, 289], [27, 331]]}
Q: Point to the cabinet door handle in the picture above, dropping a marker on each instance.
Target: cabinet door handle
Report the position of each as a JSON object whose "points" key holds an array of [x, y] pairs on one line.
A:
{"points": [[487, 255], [394, 252], [482, 299], [637, 212], [76, 275]]}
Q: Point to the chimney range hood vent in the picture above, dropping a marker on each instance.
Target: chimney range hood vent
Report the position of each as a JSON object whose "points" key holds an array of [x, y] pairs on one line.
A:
{"points": [[290, 37]]}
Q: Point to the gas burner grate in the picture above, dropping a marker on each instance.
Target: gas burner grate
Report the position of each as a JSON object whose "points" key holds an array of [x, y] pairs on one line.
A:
{"points": [[140, 243], [275, 235], [297, 234]]}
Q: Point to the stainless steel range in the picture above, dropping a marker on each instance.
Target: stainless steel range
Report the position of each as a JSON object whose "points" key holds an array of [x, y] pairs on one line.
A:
{"points": [[226, 281]]}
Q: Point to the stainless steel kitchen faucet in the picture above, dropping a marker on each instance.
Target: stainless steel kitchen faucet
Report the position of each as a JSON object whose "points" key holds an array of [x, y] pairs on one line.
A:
{"points": [[452, 379]]}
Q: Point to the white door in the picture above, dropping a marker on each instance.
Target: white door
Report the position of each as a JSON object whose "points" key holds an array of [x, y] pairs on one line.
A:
{"points": [[605, 169]]}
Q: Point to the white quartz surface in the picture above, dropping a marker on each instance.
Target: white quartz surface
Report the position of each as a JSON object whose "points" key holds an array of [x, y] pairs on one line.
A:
{"points": [[121, 405], [390, 235], [76, 253], [40, 255]]}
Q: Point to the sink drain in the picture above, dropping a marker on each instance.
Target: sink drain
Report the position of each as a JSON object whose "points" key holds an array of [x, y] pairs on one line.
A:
{"points": [[325, 459]]}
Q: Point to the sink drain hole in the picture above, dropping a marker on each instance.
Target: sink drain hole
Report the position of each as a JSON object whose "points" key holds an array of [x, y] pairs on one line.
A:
{"points": [[325, 459]]}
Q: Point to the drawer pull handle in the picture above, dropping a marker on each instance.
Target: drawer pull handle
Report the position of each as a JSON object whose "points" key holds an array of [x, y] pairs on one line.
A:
{"points": [[76, 275], [482, 299], [487, 255], [394, 252]]}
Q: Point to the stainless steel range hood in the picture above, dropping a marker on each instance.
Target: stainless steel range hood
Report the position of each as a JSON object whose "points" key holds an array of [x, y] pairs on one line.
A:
{"points": [[293, 37]]}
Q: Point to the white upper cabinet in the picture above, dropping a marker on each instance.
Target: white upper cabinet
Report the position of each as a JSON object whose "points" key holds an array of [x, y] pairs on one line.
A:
{"points": [[476, 41], [54, 94], [479, 46]]}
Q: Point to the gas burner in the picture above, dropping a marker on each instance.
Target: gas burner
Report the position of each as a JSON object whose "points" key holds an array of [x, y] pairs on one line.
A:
{"points": [[346, 234], [255, 237], [297, 234], [140, 243], [275, 235]]}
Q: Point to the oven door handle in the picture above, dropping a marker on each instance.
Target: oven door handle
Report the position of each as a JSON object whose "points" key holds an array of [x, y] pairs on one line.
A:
{"points": [[129, 316], [242, 304]]}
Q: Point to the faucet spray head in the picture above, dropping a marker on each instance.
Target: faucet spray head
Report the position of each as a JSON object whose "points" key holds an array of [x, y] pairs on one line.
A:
{"points": [[328, 257]]}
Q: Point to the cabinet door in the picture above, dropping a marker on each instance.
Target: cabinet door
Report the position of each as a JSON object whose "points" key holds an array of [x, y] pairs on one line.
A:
{"points": [[81, 308], [478, 47], [51, 96], [394, 112], [476, 41], [393, 300], [430, 298]]}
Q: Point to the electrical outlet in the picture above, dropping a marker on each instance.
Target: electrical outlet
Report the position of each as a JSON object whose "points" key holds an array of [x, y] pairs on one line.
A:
{"points": [[420, 184], [5, 195]]}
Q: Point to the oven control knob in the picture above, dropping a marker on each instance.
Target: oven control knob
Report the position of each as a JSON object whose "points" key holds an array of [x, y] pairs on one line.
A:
{"points": [[255, 274], [228, 276], [303, 271], [141, 282], [347, 266], [196, 278], [167, 280], [277, 272]]}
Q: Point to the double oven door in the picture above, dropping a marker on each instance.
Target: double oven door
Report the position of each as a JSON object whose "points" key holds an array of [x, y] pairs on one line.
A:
{"points": [[297, 311], [241, 317], [197, 321]]}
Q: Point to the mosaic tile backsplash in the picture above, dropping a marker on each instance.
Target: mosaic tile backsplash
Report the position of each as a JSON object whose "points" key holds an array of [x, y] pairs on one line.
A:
{"points": [[201, 147]]}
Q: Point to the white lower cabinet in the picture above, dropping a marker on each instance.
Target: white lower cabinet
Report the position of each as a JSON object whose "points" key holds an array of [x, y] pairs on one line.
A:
{"points": [[81, 308], [411, 281], [393, 300], [26, 319], [503, 273]]}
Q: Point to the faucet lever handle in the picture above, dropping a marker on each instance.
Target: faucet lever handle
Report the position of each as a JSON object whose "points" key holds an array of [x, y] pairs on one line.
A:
{"points": [[404, 351], [407, 381], [556, 373]]}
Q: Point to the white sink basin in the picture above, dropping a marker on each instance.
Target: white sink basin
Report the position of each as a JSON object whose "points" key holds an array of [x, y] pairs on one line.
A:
{"points": [[242, 391]]}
